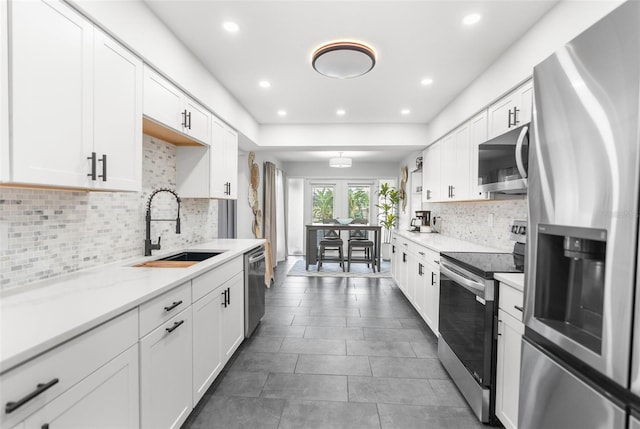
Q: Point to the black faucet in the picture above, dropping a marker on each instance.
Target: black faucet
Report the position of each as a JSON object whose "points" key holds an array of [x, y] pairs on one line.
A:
{"points": [[148, 245]]}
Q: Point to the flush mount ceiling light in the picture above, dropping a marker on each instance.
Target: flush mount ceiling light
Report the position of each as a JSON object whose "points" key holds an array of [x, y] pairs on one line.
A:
{"points": [[343, 60], [340, 162], [426, 81]]}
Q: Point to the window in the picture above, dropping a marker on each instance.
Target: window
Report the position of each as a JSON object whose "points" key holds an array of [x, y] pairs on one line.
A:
{"points": [[359, 202], [322, 203]]}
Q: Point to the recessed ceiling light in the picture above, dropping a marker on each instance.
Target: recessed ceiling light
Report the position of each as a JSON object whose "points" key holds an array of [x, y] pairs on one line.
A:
{"points": [[405, 111], [282, 113], [471, 19], [231, 27], [340, 112], [426, 81], [264, 84]]}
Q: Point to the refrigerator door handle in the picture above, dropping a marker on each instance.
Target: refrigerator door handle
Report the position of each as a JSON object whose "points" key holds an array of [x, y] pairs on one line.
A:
{"points": [[519, 144]]}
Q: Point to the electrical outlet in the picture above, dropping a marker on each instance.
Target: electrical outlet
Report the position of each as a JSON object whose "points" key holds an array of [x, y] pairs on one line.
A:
{"points": [[490, 219], [4, 236]]}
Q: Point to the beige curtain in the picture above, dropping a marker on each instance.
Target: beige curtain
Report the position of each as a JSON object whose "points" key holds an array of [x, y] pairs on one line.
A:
{"points": [[270, 206]]}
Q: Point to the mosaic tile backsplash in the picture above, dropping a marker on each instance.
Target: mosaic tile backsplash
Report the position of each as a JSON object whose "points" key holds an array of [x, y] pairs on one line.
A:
{"points": [[51, 233], [470, 220]]}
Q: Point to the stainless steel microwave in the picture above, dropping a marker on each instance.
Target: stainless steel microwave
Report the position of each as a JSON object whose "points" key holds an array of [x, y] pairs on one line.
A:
{"points": [[503, 162]]}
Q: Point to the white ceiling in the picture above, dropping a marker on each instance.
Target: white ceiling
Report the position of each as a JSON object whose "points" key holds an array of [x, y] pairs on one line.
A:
{"points": [[413, 40]]}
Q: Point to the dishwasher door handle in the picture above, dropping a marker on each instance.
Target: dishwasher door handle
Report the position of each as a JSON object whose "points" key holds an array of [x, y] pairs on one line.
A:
{"points": [[256, 258]]}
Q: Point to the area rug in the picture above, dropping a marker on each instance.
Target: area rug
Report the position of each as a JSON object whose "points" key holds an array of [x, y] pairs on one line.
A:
{"points": [[332, 269]]}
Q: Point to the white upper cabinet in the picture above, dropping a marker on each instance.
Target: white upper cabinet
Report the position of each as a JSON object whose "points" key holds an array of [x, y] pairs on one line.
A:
{"points": [[117, 113], [169, 106], [477, 135], [431, 167], [210, 172], [511, 111], [51, 107], [454, 181], [75, 104], [224, 183]]}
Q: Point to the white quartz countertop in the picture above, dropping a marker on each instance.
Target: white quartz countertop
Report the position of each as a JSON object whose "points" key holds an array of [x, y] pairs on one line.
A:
{"points": [[515, 280], [441, 243], [37, 317]]}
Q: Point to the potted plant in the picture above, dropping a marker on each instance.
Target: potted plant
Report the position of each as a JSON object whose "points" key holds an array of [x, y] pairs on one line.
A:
{"points": [[389, 198]]}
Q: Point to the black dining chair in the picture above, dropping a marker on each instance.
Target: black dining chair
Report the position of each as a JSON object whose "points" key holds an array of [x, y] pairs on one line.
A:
{"points": [[359, 242], [331, 242]]}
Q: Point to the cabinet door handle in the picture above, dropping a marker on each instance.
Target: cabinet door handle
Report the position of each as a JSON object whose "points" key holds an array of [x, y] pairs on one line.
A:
{"points": [[517, 307], [40, 388], [393, 248], [184, 118], [509, 119], [428, 194], [433, 278], [404, 257], [420, 269], [93, 166], [45, 426], [515, 116], [175, 326], [103, 160], [224, 300], [229, 188], [173, 305], [228, 296], [189, 120], [453, 191]]}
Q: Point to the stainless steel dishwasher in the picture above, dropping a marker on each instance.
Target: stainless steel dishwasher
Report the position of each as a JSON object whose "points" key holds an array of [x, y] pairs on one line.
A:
{"points": [[254, 289]]}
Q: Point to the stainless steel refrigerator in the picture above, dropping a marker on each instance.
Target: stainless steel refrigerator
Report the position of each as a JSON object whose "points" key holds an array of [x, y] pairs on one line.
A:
{"points": [[580, 352]]}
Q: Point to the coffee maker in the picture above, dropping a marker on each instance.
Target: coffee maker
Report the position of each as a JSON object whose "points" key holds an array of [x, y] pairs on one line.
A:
{"points": [[424, 220]]}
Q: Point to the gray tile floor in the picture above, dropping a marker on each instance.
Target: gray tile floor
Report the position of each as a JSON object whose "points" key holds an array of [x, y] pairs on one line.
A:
{"points": [[335, 353]]}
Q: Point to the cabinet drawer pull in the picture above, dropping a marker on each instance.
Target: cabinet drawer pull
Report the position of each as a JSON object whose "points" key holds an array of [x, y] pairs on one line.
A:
{"points": [[40, 388], [517, 307], [175, 326], [172, 306]]}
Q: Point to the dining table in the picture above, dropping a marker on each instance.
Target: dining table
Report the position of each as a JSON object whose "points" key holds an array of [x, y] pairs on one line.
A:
{"points": [[312, 239]]}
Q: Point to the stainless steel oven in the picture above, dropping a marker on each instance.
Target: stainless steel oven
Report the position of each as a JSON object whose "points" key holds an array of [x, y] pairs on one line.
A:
{"points": [[468, 319], [466, 346]]}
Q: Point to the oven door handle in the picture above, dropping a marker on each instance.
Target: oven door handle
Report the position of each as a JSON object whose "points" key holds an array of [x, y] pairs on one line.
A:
{"points": [[471, 285]]}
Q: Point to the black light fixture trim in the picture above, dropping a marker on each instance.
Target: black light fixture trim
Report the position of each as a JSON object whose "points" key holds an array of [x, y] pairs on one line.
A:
{"points": [[344, 46]]}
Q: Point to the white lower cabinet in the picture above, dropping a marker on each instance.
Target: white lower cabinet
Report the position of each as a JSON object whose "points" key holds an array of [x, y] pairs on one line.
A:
{"points": [[166, 373], [107, 399], [232, 316], [418, 277], [207, 355], [431, 303], [510, 331], [90, 381]]}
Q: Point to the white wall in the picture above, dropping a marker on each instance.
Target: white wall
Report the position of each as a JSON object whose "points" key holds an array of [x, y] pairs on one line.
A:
{"points": [[344, 135], [137, 27], [559, 26]]}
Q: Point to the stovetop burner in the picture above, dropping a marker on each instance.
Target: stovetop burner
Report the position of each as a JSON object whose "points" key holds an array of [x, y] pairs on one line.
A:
{"points": [[485, 264]]}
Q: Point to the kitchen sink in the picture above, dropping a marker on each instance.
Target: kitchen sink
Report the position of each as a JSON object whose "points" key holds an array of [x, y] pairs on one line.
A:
{"points": [[179, 260], [190, 256]]}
